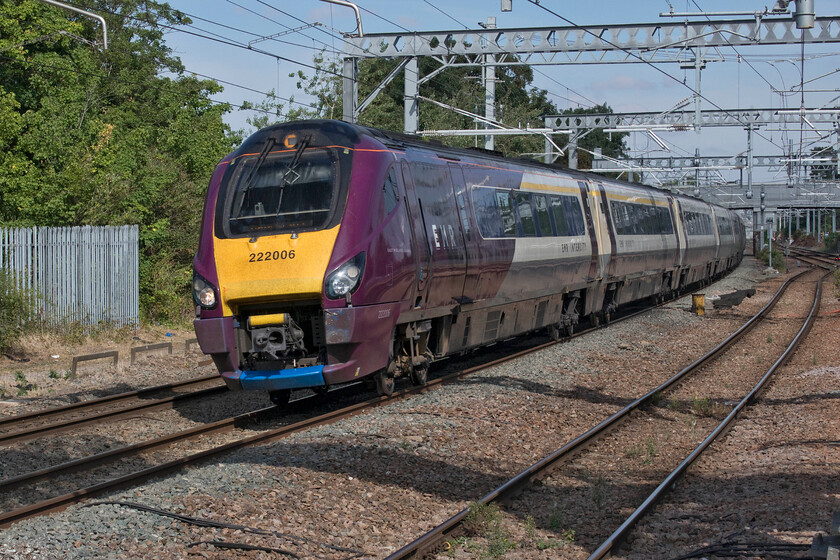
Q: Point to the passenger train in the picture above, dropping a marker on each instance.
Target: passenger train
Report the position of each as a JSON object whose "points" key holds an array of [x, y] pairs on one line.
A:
{"points": [[331, 252]]}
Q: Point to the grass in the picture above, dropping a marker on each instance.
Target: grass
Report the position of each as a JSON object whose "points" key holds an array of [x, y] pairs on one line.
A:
{"points": [[707, 408], [648, 451], [555, 518], [485, 520], [566, 537], [22, 384]]}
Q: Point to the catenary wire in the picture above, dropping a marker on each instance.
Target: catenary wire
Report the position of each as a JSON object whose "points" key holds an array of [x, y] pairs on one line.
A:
{"points": [[661, 71]]}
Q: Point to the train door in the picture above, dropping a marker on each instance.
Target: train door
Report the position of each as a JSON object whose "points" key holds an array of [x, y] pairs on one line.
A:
{"points": [[438, 213], [716, 231], [597, 200], [606, 223], [678, 229], [419, 245], [594, 266], [469, 236]]}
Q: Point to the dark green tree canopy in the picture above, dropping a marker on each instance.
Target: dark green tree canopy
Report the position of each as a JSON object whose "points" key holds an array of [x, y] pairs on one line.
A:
{"points": [[107, 137]]}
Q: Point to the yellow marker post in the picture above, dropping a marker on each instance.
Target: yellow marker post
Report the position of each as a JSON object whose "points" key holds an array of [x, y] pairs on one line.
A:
{"points": [[698, 304]]}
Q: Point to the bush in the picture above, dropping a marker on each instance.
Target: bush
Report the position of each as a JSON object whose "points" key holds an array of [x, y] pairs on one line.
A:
{"points": [[832, 242], [837, 283], [15, 308], [779, 262]]}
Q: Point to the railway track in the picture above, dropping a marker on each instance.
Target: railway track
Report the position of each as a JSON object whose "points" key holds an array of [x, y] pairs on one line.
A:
{"points": [[557, 476], [17, 487], [818, 258], [24, 427]]}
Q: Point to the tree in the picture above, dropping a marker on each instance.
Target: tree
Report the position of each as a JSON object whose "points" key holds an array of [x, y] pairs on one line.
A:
{"points": [[824, 171], [104, 137], [612, 144], [518, 103]]}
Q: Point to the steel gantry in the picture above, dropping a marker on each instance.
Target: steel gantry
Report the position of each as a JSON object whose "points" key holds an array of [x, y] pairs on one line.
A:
{"points": [[662, 42], [692, 44]]}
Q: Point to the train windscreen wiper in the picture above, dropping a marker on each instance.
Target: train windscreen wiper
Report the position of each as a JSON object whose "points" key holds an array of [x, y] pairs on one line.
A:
{"points": [[246, 187], [301, 146]]}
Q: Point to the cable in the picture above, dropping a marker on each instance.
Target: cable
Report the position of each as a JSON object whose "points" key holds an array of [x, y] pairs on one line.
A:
{"points": [[146, 85], [663, 72], [325, 45], [225, 41], [201, 522], [444, 13], [732, 47]]}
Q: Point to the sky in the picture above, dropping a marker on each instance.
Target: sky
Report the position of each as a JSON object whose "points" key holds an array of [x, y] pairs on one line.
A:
{"points": [[749, 77]]}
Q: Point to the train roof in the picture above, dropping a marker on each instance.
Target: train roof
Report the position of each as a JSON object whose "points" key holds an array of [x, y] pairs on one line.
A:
{"points": [[352, 132]]}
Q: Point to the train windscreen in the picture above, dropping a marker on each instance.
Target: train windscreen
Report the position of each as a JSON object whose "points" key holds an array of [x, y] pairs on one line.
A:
{"points": [[281, 192]]}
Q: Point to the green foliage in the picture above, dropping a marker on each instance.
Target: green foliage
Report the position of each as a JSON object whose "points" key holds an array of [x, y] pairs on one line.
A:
{"points": [[116, 137], [832, 242], [22, 384], [485, 520], [778, 261], [836, 282], [828, 170], [518, 104], [15, 308]]}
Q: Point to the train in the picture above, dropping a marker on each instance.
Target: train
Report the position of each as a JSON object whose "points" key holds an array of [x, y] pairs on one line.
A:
{"points": [[332, 252]]}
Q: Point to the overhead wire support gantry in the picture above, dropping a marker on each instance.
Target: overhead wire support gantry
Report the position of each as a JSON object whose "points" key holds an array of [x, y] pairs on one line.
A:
{"points": [[661, 42]]}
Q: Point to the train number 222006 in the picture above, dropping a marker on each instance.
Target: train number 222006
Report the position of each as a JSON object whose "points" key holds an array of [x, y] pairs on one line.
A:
{"points": [[272, 256]]}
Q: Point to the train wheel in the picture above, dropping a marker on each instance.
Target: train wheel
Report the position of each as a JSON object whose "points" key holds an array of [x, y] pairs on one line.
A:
{"points": [[281, 397], [595, 319], [570, 330], [384, 383], [554, 332], [420, 374]]}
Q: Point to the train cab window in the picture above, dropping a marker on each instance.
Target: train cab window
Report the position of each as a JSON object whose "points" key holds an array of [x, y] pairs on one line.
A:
{"points": [[527, 226], [543, 217], [287, 192], [391, 192]]}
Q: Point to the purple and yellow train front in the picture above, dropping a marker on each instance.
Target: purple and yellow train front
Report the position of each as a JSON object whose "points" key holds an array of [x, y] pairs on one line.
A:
{"points": [[301, 270]]}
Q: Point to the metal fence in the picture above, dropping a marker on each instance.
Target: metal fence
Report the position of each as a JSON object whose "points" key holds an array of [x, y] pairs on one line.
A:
{"points": [[76, 274]]}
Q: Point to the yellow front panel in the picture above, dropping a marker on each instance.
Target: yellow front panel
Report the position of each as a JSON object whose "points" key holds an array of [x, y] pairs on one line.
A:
{"points": [[272, 268]]}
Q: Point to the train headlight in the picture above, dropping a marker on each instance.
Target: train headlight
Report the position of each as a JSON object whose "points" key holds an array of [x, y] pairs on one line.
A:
{"points": [[204, 293], [345, 279]]}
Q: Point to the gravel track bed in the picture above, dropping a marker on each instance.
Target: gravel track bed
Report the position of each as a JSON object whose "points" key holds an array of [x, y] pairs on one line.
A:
{"points": [[376, 481]]}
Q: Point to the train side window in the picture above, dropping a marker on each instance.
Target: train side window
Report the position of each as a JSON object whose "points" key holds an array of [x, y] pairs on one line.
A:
{"points": [[620, 217], [505, 203], [667, 227], [574, 215], [462, 212], [561, 226], [526, 215], [487, 213], [543, 218], [391, 192]]}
